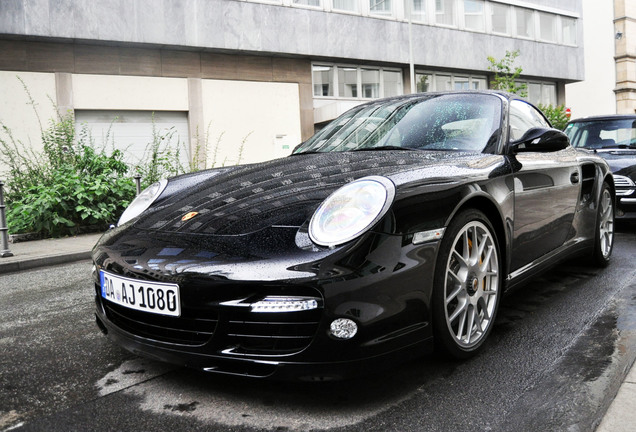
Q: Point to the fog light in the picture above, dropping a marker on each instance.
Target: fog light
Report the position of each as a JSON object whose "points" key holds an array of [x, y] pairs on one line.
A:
{"points": [[343, 328], [284, 304]]}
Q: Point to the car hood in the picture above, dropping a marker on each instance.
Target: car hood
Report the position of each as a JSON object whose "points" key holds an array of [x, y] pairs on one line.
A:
{"points": [[621, 161], [283, 192]]}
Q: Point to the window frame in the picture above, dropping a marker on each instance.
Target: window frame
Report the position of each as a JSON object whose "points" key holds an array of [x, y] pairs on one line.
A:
{"points": [[338, 67], [433, 75]]}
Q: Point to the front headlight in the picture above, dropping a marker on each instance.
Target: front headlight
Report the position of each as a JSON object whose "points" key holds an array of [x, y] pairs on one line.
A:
{"points": [[142, 201], [351, 210]]}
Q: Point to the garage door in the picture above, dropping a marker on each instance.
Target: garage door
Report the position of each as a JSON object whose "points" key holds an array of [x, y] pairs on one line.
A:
{"points": [[135, 132]]}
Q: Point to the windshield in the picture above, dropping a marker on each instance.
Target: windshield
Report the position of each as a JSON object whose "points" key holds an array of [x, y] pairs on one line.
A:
{"points": [[603, 134], [464, 122]]}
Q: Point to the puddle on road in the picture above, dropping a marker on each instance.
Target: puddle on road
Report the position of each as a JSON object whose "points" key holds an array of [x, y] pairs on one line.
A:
{"points": [[236, 402], [130, 373], [278, 408]]}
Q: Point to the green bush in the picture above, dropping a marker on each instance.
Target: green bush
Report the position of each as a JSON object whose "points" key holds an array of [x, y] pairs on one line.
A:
{"points": [[72, 186], [556, 114], [69, 187]]}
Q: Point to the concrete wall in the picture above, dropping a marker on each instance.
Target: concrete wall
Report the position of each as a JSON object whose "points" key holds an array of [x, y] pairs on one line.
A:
{"points": [[254, 27], [19, 115], [273, 129], [263, 117]]}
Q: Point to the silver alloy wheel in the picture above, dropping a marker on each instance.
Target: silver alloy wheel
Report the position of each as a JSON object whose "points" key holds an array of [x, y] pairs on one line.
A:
{"points": [[606, 223], [471, 284]]}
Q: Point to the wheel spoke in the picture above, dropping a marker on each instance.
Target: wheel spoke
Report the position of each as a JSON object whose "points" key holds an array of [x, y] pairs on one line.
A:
{"points": [[454, 294], [486, 263], [462, 323], [471, 322], [461, 308], [454, 275], [466, 251], [460, 258]]}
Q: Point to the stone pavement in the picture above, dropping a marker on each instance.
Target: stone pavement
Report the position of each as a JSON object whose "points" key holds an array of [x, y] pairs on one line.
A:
{"points": [[620, 417], [40, 253]]}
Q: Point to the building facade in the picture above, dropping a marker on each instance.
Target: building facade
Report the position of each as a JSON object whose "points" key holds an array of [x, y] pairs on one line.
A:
{"points": [[625, 37], [249, 79]]}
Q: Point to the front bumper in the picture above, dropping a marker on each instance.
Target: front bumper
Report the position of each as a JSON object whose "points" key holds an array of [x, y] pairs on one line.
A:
{"points": [[382, 282]]}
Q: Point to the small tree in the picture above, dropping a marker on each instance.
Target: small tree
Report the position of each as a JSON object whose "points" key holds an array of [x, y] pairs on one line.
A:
{"points": [[556, 114], [506, 74]]}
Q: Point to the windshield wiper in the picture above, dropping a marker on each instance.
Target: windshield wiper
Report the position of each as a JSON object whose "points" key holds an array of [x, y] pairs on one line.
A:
{"points": [[619, 146], [381, 148]]}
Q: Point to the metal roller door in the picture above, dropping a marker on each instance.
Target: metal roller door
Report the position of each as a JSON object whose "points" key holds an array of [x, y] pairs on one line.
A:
{"points": [[132, 131]]}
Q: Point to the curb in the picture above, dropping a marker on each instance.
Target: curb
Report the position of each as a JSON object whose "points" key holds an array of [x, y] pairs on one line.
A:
{"points": [[28, 264]]}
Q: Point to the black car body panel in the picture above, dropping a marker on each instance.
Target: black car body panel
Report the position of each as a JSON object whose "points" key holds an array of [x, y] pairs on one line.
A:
{"points": [[249, 240]]}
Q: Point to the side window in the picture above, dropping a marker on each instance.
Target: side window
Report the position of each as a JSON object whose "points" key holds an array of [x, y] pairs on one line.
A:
{"points": [[524, 116]]}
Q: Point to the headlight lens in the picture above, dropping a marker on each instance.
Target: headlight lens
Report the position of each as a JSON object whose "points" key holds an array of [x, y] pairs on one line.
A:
{"points": [[143, 201], [351, 210]]}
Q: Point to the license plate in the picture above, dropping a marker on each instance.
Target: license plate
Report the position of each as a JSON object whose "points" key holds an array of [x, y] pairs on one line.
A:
{"points": [[153, 297]]}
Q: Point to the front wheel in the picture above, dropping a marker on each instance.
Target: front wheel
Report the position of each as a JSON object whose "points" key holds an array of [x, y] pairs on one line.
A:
{"points": [[467, 286], [604, 236]]}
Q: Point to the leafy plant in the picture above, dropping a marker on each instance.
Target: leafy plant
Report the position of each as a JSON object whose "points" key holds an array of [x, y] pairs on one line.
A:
{"points": [[556, 114], [68, 187], [72, 186], [506, 74]]}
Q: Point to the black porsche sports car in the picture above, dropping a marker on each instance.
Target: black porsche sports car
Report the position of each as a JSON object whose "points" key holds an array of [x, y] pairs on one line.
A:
{"points": [[393, 230], [613, 137]]}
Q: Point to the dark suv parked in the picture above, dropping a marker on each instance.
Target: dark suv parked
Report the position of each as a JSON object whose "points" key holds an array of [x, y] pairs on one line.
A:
{"points": [[614, 138]]}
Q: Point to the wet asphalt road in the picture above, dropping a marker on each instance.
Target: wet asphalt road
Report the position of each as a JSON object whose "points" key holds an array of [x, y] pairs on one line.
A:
{"points": [[557, 355]]}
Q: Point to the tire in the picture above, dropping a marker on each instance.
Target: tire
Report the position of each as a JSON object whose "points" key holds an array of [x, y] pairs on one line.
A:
{"points": [[467, 285], [604, 233]]}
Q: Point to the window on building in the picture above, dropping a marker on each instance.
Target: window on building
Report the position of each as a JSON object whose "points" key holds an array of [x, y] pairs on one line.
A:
{"points": [[353, 82], [478, 83], [370, 83], [346, 5], [418, 10], [534, 92], [445, 12], [423, 82], [543, 93], [392, 81], [380, 7], [525, 22], [548, 94], [568, 30], [474, 18], [323, 80], [547, 27], [461, 83], [500, 18], [443, 82], [315, 3], [433, 81], [348, 82]]}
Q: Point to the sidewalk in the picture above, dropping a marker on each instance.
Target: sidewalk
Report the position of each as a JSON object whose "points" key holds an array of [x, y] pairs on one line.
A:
{"points": [[620, 417], [41, 253]]}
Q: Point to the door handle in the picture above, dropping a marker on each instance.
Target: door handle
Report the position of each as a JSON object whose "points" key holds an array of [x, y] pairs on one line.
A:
{"points": [[574, 177]]}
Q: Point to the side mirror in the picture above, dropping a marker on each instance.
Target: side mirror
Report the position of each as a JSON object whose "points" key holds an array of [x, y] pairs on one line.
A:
{"points": [[541, 140]]}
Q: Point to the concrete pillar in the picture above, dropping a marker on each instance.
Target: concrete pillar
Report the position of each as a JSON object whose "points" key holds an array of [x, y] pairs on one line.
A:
{"points": [[197, 130], [64, 93], [625, 44]]}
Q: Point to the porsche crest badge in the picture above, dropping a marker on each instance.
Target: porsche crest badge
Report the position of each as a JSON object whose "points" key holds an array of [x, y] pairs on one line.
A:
{"points": [[188, 216]]}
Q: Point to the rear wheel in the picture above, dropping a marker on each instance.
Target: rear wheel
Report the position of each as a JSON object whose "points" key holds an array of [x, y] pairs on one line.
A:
{"points": [[604, 237], [467, 284]]}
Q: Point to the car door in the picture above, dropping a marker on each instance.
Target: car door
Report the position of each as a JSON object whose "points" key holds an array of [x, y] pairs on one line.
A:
{"points": [[546, 190]]}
